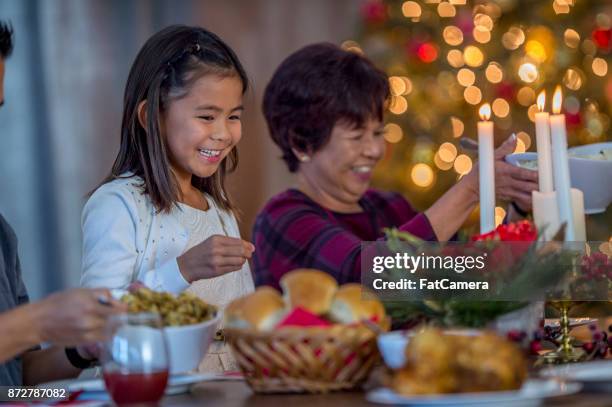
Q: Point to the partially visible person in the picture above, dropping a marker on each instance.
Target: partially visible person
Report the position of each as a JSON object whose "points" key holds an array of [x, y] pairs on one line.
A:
{"points": [[163, 216], [74, 318], [324, 108]]}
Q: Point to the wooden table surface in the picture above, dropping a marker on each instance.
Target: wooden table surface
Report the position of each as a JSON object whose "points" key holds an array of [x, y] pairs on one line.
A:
{"points": [[237, 394]]}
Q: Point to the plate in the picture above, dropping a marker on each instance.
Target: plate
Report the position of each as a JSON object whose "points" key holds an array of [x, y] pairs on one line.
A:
{"points": [[595, 376], [573, 322], [531, 394], [178, 383]]}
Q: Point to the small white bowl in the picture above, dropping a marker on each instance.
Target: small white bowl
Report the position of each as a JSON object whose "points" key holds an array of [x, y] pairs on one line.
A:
{"points": [[592, 177], [392, 345], [188, 344]]}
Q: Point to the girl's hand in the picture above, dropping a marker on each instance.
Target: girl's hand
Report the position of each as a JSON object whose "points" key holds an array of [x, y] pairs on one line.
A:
{"points": [[214, 257]]}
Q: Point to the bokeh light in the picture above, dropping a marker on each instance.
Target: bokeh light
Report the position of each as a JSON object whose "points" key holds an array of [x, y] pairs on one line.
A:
{"points": [[422, 175], [573, 78], [393, 133], [447, 152], [457, 126], [494, 72], [525, 138], [535, 49], [446, 10], [528, 72], [455, 58], [462, 164], [513, 38], [571, 38], [398, 105], [452, 35], [472, 95], [501, 108], [525, 96], [473, 56], [600, 67], [443, 165], [397, 85], [466, 77], [411, 9], [481, 35]]}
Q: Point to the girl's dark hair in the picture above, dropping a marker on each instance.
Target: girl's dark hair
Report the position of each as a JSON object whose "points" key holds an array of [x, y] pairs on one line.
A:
{"points": [[164, 69], [315, 88]]}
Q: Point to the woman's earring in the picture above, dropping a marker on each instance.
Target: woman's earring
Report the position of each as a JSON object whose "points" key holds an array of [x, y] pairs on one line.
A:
{"points": [[304, 158]]}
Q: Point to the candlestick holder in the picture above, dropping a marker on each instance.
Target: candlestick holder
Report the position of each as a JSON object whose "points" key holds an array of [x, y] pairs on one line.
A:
{"points": [[566, 352]]}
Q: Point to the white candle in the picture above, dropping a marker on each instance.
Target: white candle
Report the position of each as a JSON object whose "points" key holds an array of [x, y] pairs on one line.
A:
{"points": [[561, 167], [545, 214], [486, 170], [545, 171], [578, 213]]}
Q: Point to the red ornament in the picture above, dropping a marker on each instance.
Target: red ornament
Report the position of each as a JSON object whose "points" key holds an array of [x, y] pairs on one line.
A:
{"points": [[505, 90], [603, 39], [374, 12], [427, 52], [573, 119]]}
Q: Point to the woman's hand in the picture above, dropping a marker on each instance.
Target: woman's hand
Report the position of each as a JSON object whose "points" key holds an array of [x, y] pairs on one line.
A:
{"points": [[214, 257], [75, 317], [513, 183]]}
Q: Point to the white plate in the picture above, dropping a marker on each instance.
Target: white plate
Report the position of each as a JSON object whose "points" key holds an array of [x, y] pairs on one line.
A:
{"points": [[531, 394], [595, 375], [178, 383]]}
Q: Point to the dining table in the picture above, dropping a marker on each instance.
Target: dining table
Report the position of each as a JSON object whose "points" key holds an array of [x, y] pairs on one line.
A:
{"points": [[238, 393]]}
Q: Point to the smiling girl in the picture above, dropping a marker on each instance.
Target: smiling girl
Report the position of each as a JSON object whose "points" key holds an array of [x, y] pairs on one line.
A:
{"points": [[162, 216]]}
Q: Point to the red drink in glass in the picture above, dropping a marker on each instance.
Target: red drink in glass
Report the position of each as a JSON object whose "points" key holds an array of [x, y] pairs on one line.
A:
{"points": [[136, 388]]}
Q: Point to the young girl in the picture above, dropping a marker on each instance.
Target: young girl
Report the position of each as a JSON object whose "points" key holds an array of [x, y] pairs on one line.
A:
{"points": [[162, 217]]}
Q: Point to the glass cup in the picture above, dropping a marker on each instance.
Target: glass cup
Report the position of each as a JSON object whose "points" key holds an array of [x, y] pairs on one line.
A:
{"points": [[135, 359]]}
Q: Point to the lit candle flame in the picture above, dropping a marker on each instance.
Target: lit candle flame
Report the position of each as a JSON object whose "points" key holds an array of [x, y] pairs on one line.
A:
{"points": [[557, 99], [541, 101], [485, 111]]}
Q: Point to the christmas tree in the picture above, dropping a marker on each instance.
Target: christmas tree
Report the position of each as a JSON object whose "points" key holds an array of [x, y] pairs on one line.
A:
{"points": [[446, 58]]}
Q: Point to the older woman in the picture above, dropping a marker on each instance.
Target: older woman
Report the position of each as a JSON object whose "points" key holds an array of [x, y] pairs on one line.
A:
{"points": [[324, 107]]}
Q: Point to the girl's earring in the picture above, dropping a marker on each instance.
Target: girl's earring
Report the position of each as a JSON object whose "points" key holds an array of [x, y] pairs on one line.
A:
{"points": [[304, 158]]}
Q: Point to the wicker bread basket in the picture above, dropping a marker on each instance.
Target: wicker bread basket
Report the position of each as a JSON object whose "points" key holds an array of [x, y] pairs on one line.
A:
{"points": [[305, 359]]}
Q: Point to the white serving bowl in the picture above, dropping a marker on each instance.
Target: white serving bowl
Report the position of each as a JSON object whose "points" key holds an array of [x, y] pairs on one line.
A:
{"points": [[188, 344], [392, 345], [592, 177]]}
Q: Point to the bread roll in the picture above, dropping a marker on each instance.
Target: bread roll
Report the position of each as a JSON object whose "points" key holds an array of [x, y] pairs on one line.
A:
{"points": [[310, 289], [353, 303], [261, 310]]}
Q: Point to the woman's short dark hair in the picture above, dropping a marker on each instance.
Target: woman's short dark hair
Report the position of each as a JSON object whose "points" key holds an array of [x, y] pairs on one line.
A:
{"points": [[315, 88], [168, 64]]}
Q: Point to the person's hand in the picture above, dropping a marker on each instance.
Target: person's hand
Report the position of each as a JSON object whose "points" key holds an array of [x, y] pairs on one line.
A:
{"points": [[513, 183], [214, 257], [75, 317]]}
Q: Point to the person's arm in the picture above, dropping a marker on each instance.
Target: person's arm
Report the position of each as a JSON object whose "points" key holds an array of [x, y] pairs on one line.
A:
{"points": [[449, 212], [110, 221], [45, 365], [20, 331]]}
